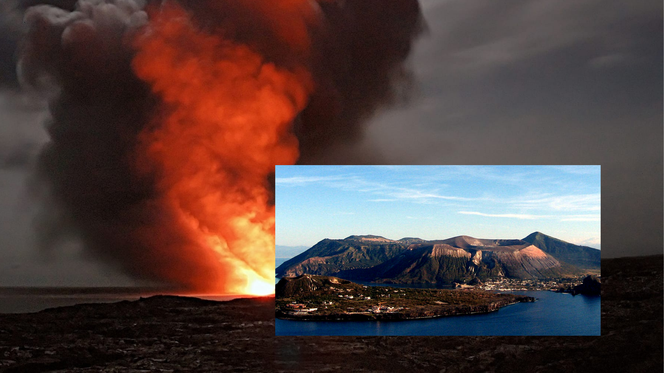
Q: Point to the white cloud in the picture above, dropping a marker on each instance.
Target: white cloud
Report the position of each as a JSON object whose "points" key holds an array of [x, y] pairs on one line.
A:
{"points": [[419, 195], [511, 216], [580, 202], [383, 191]]}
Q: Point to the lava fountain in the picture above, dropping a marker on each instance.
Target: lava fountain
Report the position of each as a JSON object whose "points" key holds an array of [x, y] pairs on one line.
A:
{"points": [[228, 121]]}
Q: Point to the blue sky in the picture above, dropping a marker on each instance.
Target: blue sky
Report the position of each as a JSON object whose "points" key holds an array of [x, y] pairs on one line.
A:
{"points": [[437, 202]]}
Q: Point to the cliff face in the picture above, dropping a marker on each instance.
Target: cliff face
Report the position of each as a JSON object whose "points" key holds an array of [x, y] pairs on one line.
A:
{"points": [[412, 260], [442, 263], [527, 261]]}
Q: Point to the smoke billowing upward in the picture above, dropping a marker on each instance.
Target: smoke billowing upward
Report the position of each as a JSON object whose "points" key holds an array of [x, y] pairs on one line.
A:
{"points": [[359, 67], [168, 119]]}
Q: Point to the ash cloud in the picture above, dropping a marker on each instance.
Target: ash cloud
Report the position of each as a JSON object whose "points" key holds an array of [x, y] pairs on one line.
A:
{"points": [[84, 172], [12, 30], [360, 66], [10, 34], [81, 54], [358, 59], [542, 82], [18, 156]]}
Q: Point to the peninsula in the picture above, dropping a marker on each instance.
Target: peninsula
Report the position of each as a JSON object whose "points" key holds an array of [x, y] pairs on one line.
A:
{"points": [[324, 298]]}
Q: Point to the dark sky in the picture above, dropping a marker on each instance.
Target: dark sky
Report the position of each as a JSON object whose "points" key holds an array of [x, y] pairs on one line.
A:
{"points": [[543, 82], [519, 82]]}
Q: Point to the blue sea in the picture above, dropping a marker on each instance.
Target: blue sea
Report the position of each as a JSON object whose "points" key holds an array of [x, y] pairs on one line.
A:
{"points": [[554, 314]]}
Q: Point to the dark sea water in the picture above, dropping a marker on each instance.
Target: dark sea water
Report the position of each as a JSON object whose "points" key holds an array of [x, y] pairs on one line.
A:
{"points": [[23, 300], [554, 314]]}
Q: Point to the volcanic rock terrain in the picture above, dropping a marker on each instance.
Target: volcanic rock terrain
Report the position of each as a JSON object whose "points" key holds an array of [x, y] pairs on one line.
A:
{"points": [[171, 334]]}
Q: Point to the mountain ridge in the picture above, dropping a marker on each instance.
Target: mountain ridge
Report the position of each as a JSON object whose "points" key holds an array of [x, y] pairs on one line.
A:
{"points": [[577, 255], [456, 259]]}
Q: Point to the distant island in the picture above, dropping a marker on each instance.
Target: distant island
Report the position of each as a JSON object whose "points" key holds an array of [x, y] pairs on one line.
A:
{"points": [[461, 260], [323, 298]]}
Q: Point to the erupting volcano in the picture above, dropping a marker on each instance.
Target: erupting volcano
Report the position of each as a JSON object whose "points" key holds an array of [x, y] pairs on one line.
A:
{"points": [[169, 117], [229, 120]]}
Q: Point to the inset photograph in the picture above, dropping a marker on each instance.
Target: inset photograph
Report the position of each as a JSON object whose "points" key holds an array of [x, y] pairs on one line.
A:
{"points": [[438, 250]]}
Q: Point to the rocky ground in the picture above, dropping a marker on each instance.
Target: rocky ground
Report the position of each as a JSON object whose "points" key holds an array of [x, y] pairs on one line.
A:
{"points": [[180, 334]]}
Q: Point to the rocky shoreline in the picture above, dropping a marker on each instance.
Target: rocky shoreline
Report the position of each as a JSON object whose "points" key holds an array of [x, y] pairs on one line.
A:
{"points": [[591, 285]]}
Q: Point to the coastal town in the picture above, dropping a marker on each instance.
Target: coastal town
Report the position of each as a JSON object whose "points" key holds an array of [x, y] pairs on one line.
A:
{"points": [[348, 296], [310, 297], [508, 284]]}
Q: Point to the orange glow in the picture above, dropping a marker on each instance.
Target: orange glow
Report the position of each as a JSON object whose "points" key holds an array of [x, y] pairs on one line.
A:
{"points": [[289, 19], [225, 125], [260, 287]]}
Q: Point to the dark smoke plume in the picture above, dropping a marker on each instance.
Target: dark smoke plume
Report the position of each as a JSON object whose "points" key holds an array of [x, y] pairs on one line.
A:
{"points": [[99, 107], [10, 34], [357, 59], [359, 67]]}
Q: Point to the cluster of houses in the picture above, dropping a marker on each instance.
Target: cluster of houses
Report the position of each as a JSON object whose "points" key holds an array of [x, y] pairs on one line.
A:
{"points": [[299, 309], [348, 296], [383, 309], [505, 284]]}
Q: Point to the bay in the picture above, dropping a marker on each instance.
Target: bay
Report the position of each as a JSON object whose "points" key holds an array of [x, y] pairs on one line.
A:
{"points": [[554, 314]]}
